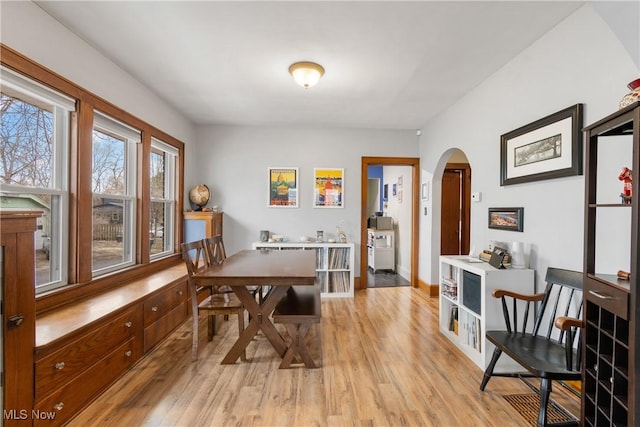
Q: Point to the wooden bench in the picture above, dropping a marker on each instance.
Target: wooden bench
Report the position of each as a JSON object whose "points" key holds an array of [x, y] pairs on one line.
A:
{"points": [[298, 310], [549, 349]]}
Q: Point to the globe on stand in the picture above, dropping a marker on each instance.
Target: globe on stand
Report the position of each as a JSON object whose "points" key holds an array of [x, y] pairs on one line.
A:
{"points": [[199, 196]]}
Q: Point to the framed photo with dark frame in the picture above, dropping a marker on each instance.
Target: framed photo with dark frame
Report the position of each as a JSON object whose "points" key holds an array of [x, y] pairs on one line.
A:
{"points": [[545, 149], [511, 219]]}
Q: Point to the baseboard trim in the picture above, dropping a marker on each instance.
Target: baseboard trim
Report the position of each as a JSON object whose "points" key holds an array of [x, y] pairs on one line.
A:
{"points": [[431, 290]]}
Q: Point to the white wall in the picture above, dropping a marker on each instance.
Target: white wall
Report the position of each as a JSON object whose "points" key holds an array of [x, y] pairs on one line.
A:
{"points": [[579, 61], [233, 161], [27, 29], [399, 208]]}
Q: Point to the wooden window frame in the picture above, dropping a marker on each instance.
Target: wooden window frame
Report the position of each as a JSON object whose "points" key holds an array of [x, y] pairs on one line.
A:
{"points": [[80, 281]]}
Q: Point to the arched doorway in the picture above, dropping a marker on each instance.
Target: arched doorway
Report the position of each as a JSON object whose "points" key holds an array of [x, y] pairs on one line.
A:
{"points": [[455, 209], [433, 219]]}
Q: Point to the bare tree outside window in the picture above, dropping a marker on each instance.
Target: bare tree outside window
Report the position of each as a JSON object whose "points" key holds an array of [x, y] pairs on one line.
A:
{"points": [[27, 139], [157, 214], [162, 176], [26, 168], [108, 185], [108, 164]]}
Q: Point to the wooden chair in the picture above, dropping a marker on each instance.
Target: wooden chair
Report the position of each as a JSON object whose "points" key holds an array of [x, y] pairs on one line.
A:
{"points": [[551, 349], [216, 254], [216, 303]]}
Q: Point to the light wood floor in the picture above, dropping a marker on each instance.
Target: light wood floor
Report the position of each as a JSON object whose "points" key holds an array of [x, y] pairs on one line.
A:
{"points": [[383, 363]]}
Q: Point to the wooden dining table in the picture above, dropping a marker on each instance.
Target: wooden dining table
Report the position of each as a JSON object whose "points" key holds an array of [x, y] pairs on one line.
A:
{"points": [[277, 269]]}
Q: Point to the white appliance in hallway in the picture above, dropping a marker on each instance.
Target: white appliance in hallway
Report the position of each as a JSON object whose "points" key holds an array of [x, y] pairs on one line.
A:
{"points": [[381, 248]]}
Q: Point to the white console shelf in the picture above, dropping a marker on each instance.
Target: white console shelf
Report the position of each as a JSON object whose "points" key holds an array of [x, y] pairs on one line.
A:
{"points": [[334, 264], [467, 308]]}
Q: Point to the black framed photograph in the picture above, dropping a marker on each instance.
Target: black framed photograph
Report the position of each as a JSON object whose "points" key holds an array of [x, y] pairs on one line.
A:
{"points": [[506, 218], [545, 149]]}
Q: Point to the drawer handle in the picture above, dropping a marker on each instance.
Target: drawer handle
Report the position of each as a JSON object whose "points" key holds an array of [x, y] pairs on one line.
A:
{"points": [[600, 295], [154, 308], [128, 324], [128, 353], [180, 293], [58, 406], [59, 366]]}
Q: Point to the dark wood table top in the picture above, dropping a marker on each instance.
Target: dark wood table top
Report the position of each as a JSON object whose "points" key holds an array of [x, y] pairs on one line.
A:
{"points": [[262, 267]]}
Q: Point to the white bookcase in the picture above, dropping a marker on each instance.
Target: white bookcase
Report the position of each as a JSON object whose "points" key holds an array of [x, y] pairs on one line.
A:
{"points": [[334, 264], [467, 308]]}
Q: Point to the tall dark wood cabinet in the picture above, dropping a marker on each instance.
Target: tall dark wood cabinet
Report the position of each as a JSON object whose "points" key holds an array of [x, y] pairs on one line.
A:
{"points": [[17, 277], [611, 390]]}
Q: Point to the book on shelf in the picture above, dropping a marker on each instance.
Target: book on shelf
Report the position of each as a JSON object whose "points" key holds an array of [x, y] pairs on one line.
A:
{"points": [[453, 319], [486, 257], [338, 258], [339, 281], [449, 281], [449, 288]]}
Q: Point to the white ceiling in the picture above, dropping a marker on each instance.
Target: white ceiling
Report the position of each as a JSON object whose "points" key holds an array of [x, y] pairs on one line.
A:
{"points": [[388, 64]]}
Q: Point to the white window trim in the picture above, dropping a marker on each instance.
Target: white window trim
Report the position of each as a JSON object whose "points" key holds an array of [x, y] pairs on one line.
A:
{"points": [[12, 80], [132, 137], [61, 106], [169, 200], [107, 124]]}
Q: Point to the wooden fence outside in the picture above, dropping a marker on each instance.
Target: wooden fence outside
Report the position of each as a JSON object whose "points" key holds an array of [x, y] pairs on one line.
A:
{"points": [[109, 232]]}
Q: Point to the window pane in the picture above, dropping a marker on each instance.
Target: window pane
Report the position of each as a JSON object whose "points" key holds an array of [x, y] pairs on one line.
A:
{"points": [[156, 228], [110, 238], [162, 182], [47, 257], [113, 180], [108, 164], [27, 143], [32, 173], [157, 175]]}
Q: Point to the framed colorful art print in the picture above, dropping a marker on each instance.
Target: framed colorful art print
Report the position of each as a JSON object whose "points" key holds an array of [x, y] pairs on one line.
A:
{"points": [[283, 187], [328, 188]]}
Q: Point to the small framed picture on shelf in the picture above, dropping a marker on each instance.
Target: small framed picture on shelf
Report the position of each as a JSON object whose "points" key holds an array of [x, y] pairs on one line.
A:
{"points": [[511, 219], [283, 187], [328, 188]]}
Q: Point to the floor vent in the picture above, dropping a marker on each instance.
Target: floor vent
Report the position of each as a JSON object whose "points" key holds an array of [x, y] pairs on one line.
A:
{"points": [[528, 404]]}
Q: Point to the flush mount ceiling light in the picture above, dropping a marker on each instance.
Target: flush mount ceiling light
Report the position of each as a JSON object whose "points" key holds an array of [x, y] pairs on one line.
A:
{"points": [[306, 74]]}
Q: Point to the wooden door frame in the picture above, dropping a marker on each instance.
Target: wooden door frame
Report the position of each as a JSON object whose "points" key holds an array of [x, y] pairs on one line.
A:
{"points": [[414, 163], [466, 203]]}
